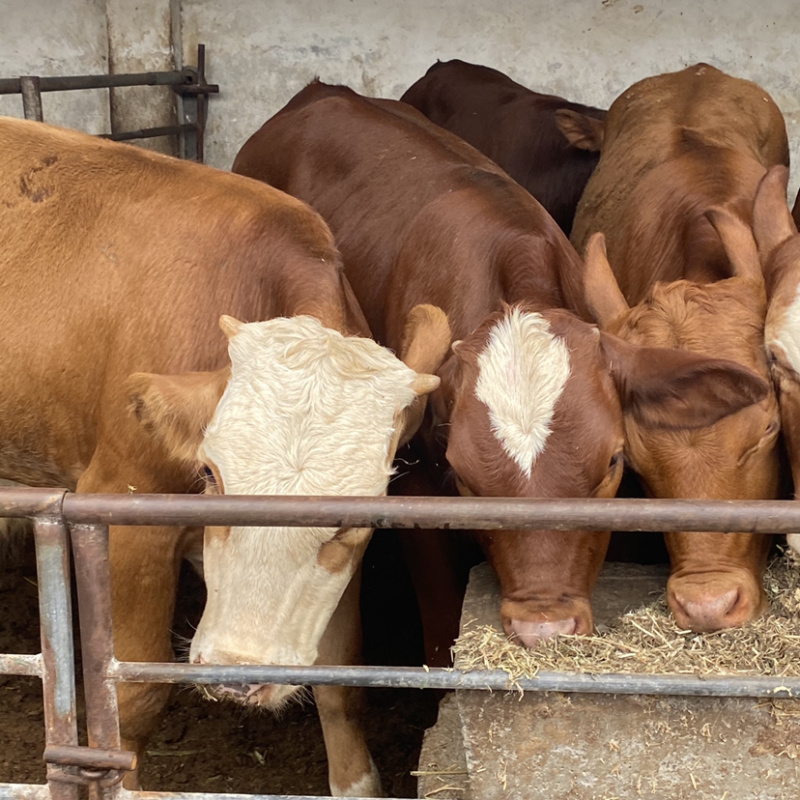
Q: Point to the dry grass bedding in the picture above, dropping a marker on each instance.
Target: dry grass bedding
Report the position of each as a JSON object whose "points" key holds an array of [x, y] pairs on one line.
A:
{"points": [[647, 640]]}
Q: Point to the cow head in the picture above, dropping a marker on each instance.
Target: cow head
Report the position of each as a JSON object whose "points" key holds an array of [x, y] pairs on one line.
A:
{"points": [[302, 410], [533, 407], [723, 442], [779, 250]]}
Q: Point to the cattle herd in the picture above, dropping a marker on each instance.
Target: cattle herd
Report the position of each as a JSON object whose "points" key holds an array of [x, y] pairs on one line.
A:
{"points": [[392, 274]]}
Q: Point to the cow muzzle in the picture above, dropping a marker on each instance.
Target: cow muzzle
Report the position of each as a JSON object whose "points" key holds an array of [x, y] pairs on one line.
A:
{"points": [[267, 695], [714, 601], [528, 622]]}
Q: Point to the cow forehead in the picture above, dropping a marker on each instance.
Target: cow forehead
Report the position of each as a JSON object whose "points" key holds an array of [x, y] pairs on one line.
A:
{"points": [[522, 373], [306, 411]]}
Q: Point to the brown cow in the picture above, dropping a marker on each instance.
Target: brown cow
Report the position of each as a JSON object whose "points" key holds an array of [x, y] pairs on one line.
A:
{"points": [[779, 250], [118, 261], [514, 126], [681, 156], [531, 398]]}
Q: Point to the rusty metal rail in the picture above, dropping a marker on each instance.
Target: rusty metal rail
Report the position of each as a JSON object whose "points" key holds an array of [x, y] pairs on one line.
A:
{"points": [[88, 516], [189, 84]]}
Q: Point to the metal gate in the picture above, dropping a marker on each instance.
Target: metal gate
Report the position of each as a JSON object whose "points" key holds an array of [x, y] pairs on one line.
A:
{"points": [[61, 518], [189, 84]]}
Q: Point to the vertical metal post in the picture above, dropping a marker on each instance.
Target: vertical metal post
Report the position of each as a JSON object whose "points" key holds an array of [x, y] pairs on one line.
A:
{"points": [[202, 99], [31, 97], [93, 579], [58, 662]]}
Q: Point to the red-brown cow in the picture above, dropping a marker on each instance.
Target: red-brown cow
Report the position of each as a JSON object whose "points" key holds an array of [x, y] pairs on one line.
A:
{"points": [[681, 156], [118, 261], [531, 398], [779, 249], [516, 127]]}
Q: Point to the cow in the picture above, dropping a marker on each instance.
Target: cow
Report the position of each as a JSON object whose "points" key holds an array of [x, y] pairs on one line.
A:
{"points": [[531, 396], [778, 243], [513, 125], [116, 268], [668, 210]]}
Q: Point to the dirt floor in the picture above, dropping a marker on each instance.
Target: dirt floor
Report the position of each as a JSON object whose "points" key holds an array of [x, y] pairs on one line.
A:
{"points": [[206, 746]]}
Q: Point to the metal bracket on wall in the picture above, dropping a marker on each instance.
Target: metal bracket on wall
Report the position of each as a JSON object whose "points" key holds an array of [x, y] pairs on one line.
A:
{"points": [[188, 83]]}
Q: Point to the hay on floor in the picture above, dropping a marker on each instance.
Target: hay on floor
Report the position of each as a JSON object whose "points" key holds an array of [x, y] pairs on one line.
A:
{"points": [[647, 640]]}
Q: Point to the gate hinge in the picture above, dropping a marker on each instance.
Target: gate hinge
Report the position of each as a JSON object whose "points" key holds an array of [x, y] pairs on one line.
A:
{"points": [[88, 765]]}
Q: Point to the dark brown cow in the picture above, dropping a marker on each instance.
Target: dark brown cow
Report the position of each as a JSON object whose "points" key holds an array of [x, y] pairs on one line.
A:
{"points": [[516, 127], [531, 398], [118, 261], [681, 157]]}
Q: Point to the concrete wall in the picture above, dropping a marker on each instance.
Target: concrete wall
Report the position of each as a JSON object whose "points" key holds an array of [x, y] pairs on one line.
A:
{"points": [[261, 52]]}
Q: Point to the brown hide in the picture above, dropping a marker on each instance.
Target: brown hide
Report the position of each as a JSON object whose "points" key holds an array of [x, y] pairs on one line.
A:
{"points": [[675, 147], [512, 125], [779, 250], [420, 216], [115, 261]]}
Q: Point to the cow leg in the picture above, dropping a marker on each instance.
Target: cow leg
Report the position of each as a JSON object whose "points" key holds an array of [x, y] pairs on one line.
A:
{"points": [[144, 565], [351, 770]]}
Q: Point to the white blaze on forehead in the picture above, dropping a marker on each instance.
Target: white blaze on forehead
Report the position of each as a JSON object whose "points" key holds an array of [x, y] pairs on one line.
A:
{"points": [[788, 334], [522, 374], [306, 411]]}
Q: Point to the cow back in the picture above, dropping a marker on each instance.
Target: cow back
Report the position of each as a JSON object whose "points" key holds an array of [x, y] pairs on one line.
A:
{"points": [[514, 126]]}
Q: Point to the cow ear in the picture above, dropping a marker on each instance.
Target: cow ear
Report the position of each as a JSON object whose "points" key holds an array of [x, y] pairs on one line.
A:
{"points": [[175, 409], [772, 222], [740, 246], [603, 296], [676, 389], [426, 341], [585, 133]]}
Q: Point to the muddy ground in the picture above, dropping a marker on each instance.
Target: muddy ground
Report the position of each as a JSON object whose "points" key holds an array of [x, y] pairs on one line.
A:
{"points": [[207, 746]]}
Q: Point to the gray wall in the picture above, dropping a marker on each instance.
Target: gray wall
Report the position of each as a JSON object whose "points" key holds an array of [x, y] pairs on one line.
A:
{"points": [[262, 52]]}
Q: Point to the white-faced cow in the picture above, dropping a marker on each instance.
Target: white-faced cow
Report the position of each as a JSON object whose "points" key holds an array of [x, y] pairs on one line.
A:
{"points": [[681, 155], [531, 398], [118, 261]]}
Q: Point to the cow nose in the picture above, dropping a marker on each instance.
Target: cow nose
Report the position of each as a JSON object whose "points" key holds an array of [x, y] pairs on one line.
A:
{"points": [[706, 611], [529, 633]]}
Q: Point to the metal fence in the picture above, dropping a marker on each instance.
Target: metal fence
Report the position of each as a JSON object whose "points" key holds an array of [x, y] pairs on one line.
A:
{"points": [[189, 84], [61, 518]]}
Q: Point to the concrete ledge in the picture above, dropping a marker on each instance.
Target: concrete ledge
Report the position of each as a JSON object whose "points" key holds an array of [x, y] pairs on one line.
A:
{"points": [[613, 747]]}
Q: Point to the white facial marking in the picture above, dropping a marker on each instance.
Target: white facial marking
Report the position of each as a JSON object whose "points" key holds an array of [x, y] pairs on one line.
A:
{"points": [[522, 374], [306, 411], [788, 338]]}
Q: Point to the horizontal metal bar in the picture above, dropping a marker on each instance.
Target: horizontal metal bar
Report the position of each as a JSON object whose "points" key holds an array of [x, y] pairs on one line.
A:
{"points": [[128, 795], [148, 133], [438, 678], [15, 664], [484, 513], [73, 82], [476, 513], [28, 791], [89, 757]]}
